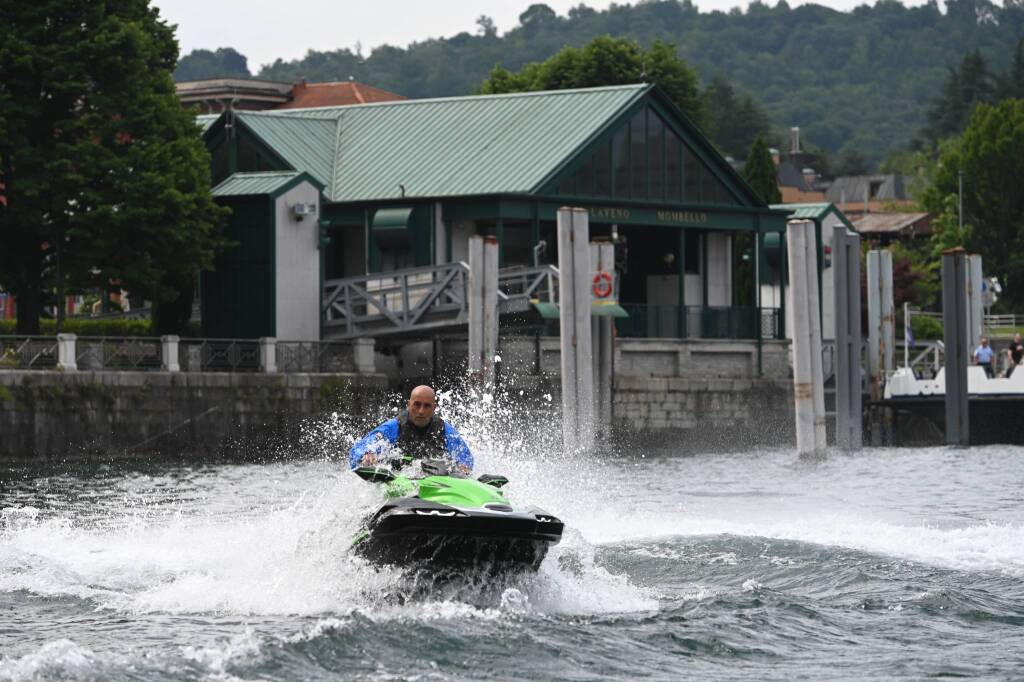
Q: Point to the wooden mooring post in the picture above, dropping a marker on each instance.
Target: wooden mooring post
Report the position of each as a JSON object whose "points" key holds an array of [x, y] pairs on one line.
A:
{"points": [[808, 373], [483, 309], [574, 285]]}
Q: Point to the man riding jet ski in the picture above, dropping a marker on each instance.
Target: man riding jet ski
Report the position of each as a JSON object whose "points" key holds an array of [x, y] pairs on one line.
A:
{"points": [[416, 432], [436, 517]]}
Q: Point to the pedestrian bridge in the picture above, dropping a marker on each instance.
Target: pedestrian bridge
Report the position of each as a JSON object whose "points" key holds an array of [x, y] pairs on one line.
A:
{"points": [[430, 298]]}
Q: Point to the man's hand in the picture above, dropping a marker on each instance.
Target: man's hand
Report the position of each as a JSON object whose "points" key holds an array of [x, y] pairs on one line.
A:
{"points": [[368, 460]]}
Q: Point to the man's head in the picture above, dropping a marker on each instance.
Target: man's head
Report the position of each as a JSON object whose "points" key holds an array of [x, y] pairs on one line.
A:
{"points": [[984, 340], [1016, 338], [421, 405]]}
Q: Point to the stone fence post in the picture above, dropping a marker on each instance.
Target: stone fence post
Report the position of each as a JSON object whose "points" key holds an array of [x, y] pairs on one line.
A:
{"points": [[66, 358], [362, 356], [268, 354], [169, 353]]}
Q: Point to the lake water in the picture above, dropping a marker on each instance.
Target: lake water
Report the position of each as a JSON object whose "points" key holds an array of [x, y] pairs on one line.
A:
{"points": [[884, 564]]}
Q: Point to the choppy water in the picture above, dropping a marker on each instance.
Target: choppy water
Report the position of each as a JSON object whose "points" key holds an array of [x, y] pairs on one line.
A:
{"points": [[883, 564]]}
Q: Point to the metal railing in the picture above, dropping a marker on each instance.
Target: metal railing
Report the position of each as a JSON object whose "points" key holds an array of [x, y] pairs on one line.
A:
{"points": [[398, 301], [314, 356], [219, 355], [28, 352], [105, 352], [423, 298], [698, 322]]}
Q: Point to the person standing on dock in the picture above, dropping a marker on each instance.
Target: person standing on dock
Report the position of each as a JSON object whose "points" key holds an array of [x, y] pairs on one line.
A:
{"points": [[983, 355], [1014, 354]]}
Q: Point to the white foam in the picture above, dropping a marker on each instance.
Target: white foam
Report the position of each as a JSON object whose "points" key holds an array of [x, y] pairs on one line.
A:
{"points": [[59, 658]]}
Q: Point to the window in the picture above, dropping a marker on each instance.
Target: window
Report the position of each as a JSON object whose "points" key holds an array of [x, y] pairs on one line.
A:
{"points": [[655, 156], [620, 161], [637, 154], [673, 167], [602, 172]]}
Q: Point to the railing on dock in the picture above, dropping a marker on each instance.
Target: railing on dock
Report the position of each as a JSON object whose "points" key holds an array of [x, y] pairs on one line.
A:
{"points": [[425, 298]]}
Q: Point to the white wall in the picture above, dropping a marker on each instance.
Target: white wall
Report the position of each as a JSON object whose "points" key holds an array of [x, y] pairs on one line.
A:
{"points": [[461, 232], [719, 246], [297, 266]]}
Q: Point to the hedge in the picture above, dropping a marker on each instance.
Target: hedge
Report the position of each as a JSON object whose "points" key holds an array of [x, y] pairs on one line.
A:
{"points": [[111, 327]]}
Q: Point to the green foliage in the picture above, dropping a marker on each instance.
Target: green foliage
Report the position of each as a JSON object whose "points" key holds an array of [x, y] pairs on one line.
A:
{"points": [[226, 62], [926, 328], [606, 61], [107, 178], [110, 327], [759, 172], [966, 86], [734, 120], [846, 78], [989, 155]]}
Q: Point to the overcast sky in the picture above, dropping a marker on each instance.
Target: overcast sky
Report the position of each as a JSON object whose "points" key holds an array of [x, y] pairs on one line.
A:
{"points": [[265, 30]]}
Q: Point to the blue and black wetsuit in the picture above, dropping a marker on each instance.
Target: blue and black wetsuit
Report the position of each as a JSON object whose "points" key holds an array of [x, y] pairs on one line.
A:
{"points": [[436, 440]]}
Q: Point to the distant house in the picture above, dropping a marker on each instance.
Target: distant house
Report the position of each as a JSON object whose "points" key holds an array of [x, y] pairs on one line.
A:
{"points": [[216, 95], [860, 194], [887, 227]]}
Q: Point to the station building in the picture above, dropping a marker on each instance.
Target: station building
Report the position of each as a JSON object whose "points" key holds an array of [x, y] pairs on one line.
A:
{"points": [[334, 192]]}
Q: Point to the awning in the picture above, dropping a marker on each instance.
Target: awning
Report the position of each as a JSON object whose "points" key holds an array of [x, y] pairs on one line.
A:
{"points": [[549, 311], [391, 227]]}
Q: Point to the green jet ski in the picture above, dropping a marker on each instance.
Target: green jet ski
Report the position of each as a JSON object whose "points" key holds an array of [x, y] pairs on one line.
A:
{"points": [[438, 519]]}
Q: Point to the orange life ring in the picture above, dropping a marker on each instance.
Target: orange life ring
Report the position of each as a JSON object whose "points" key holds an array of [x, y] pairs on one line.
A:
{"points": [[602, 287]]}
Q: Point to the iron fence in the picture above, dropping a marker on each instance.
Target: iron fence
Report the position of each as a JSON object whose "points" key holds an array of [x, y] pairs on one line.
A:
{"points": [[106, 352], [28, 352], [314, 356], [698, 322], [219, 355]]}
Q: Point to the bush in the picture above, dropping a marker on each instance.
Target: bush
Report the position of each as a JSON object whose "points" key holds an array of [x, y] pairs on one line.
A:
{"points": [[926, 328], [86, 327]]}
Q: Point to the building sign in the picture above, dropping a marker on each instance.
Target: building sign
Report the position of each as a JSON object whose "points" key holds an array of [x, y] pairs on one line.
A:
{"points": [[611, 213], [689, 217]]}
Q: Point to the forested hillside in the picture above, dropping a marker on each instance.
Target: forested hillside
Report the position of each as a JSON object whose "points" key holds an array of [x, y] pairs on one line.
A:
{"points": [[859, 80]]}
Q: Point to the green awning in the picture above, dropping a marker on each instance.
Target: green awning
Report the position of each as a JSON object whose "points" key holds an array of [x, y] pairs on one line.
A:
{"points": [[391, 227], [549, 311]]}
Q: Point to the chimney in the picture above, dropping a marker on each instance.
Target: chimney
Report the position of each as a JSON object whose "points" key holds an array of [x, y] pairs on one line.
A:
{"points": [[810, 177], [794, 140], [775, 155]]}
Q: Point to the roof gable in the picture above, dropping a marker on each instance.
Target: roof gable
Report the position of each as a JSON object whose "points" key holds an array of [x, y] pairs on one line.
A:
{"points": [[272, 183], [494, 144]]}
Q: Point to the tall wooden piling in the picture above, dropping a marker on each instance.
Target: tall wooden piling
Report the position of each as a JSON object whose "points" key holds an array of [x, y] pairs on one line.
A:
{"points": [[483, 309], [954, 319], [808, 383], [574, 282], [602, 257], [881, 320], [846, 300]]}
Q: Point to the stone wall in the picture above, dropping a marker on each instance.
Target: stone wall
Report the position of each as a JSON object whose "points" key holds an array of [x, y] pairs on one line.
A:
{"points": [[47, 415]]}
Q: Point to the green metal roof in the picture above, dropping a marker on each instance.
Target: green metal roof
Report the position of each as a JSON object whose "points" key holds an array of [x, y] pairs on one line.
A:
{"points": [[816, 212], [206, 120], [495, 144], [248, 184]]}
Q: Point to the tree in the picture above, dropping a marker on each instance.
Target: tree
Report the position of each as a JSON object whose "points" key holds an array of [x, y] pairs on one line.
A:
{"points": [[988, 155], [759, 172], [226, 62], [606, 61], [1011, 85], [966, 86], [106, 176], [486, 25], [734, 121], [851, 162]]}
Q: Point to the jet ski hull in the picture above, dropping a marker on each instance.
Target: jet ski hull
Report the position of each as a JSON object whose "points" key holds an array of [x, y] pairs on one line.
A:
{"points": [[416, 532]]}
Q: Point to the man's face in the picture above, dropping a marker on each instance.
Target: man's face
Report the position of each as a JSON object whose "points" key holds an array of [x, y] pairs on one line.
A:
{"points": [[421, 406], [984, 341], [1016, 338]]}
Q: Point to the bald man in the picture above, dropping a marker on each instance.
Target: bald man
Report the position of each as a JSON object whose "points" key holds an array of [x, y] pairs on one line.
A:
{"points": [[417, 431]]}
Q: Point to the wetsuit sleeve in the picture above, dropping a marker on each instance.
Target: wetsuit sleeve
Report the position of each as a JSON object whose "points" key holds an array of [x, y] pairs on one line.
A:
{"points": [[457, 447], [377, 441]]}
